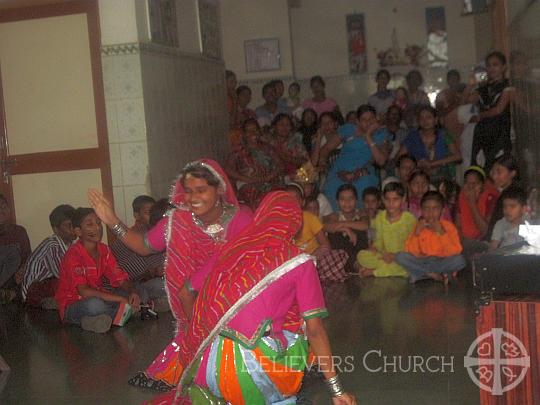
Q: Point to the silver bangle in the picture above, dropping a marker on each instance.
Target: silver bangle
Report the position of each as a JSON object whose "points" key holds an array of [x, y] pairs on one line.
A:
{"points": [[335, 387], [120, 230]]}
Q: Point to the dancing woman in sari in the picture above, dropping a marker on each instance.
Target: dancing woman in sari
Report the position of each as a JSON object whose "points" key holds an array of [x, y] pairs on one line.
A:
{"points": [[206, 214], [245, 343]]}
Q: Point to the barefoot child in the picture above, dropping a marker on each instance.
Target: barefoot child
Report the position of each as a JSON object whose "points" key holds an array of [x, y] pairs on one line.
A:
{"points": [[81, 298], [313, 240], [347, 228], [433, 250], [392, 227]]}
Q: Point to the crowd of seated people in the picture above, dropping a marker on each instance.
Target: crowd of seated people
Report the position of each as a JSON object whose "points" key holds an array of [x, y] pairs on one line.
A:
{"points": [[385, 193], [437, 173]]}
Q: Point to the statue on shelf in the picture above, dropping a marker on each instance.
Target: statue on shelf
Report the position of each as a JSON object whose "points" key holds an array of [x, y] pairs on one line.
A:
{"points": [[393, 56]]}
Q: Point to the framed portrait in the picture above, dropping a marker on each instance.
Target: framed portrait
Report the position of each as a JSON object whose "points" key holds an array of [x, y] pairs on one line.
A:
{"points": [[262, 55], [356, 41]]}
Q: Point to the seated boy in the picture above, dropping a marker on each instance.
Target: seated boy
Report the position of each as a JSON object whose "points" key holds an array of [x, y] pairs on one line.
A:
{"points": [[347, 228], [312, 240], [433, 249], [505, 232], [145, 271], [372, 199], [14, 251], [41, 276], [81, 298], [391, 227]]}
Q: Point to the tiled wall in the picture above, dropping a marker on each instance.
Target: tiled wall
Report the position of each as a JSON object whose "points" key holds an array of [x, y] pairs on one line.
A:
{"points": [[185, 109], [164, 109], [126, 126]]}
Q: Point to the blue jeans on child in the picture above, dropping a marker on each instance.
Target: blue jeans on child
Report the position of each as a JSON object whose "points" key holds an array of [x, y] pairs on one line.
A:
{"points": [[92, 306], [418, 267], [151, 289]]}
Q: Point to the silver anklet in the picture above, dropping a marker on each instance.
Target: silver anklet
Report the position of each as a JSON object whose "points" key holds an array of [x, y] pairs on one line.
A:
{"points": [[335, 387]]}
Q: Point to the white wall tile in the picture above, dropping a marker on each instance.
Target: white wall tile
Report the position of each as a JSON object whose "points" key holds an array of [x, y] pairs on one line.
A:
{"points": [[112, 120], [107, 67], [119, 203], [127, 76], [116, 165], [163, 110], [134, 158], [131, 122]]}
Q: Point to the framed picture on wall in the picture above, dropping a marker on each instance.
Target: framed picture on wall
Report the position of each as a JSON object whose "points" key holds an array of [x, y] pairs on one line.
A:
{"points": [[356, 41], [262, 55]]}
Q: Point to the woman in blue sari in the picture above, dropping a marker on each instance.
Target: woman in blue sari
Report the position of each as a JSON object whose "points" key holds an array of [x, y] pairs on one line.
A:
{"points": [[435, 151], [364, 145]]}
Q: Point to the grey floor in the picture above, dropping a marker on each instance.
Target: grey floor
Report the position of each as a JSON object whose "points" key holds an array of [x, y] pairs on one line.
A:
{"points": [[370, 319]]}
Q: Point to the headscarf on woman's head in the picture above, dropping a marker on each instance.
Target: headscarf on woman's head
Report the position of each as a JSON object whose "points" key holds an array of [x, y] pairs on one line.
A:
{"points": [[188, 247], [178, 192]]}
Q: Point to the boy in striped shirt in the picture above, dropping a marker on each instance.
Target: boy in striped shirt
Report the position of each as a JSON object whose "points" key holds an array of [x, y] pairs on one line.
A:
{"points": [[42, 268]]}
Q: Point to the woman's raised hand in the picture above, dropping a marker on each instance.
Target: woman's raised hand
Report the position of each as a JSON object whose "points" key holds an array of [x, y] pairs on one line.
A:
{"points": [[102, 207]]}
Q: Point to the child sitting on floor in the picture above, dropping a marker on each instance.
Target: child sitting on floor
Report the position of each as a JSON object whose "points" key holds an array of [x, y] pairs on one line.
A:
{"points": [[81, 298], [372, 199], [347, 228], [392, 227], [43, 266], [476, 204], [450, 190], [505, 232], [14, 251], [312, 240], [146, 272], [312, 205], [433, 250], [418, 186]]}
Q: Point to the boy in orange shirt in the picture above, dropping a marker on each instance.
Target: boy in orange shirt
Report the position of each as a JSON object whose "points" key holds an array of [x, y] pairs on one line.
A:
{"points": [[433, 249]]}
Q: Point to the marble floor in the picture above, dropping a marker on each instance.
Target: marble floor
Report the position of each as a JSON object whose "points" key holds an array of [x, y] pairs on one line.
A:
{"points": [[376, 326]]}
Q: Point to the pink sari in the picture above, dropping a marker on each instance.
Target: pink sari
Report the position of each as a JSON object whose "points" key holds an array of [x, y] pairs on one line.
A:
{"points": [[233, 298], [188, 250]]}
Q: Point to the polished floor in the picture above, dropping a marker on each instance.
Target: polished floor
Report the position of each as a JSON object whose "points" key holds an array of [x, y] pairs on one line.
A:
{"points": [[398, 344]]}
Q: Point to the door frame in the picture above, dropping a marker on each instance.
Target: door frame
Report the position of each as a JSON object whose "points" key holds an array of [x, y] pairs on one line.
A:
{"points": [[65, 160]]}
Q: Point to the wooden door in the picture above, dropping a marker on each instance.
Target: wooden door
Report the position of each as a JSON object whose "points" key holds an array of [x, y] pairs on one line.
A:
{"points": [[53, 132]]}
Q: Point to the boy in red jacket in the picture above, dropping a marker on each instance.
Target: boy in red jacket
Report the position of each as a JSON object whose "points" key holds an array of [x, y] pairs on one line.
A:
{"points": [[81, 297]]}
